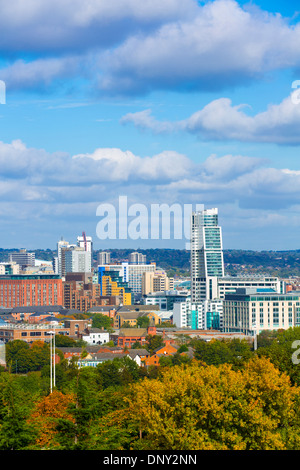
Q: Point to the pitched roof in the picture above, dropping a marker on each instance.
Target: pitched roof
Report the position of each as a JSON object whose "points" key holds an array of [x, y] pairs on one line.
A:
{"points": [[133, 332]]}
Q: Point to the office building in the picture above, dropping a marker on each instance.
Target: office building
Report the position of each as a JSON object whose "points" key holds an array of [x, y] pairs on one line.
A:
{"points": [[23, 258], [252, 312], [206, 252], [165, 300], [59, 262], [9, 268], [132, 274], [112, 284]]}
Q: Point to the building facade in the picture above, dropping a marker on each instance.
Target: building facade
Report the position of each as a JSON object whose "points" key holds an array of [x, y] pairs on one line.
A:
{"points": [[252, 312], [156, 281], [77, 260], [27, 290], [23, 258], [206, 252], [103, 257]]}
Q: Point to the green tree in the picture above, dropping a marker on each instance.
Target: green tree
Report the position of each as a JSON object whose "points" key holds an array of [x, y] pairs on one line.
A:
{"points": [[63, 341], [153, 342], [15, 432], [102, 321], [143, 322]]}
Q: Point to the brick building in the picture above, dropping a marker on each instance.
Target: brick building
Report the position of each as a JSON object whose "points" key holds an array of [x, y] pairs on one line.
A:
{"points": [[27, 290]]}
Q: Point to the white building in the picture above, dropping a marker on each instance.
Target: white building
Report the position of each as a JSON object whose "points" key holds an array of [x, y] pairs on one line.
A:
{"points": [[96, 336], [166, 299], [85, 242], [252, 312], [9, 268], [77, 260], [204, 315], [206, 252]]}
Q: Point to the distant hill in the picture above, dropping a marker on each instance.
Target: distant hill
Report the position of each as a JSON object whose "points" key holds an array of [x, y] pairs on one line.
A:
{"points": [[279, 263]]}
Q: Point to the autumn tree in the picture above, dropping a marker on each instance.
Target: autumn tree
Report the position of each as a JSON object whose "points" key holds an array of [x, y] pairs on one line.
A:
{"points": [[45, 418], [201, 407]]}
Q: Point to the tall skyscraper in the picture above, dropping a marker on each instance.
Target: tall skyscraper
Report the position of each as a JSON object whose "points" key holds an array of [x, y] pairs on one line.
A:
{"points": [[206, 253], [59, 264]]}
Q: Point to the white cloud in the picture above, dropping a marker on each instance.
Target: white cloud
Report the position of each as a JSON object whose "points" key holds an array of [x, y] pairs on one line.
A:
{"points": [[129, 46], [222, 45], [220, 120], [39, 189], [29, 174]]}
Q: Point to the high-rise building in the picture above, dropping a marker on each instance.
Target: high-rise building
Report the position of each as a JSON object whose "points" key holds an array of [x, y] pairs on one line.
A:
{"points": [[103, 257], [132, 274], [77, 260], [137, 258], [62, 245], [206, 252]]}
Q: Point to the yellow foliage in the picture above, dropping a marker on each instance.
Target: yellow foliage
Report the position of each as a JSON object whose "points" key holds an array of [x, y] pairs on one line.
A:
{"points": [[199, 407]]}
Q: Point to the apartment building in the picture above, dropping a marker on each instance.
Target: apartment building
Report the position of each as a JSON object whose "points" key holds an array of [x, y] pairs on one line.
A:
{"points": [[26, 290], [156, 281]]}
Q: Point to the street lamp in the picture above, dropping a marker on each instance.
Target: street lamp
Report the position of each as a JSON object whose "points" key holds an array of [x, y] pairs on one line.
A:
{"points": [[52, 360]]}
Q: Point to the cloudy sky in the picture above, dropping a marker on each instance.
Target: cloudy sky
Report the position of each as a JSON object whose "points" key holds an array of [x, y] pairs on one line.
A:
{"points": [[164, 102]]}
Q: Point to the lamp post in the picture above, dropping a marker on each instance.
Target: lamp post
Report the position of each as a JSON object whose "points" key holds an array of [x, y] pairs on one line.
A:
{"points": [[52, 360]]}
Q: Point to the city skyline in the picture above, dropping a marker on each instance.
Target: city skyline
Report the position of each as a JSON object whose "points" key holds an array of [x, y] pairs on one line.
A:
{"points": [[154, 102]]}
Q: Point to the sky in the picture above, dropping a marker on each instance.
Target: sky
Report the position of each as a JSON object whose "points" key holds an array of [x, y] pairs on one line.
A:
{"points": [[178, 103]]}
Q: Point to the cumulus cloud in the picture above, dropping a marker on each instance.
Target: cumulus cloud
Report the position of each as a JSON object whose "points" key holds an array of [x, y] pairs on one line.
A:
{"points": [[131, 47], [220, 120], [51, 192], [37, 26], [222, 45], [29, 174], [103, 166]]}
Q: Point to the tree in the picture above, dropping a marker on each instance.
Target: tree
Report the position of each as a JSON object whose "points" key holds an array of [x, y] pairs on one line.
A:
{"points": [[143, 322], [102, 321], [65, 341], [154, 342], [200, 407], [15, 432], [45, 418], [280, 351]]}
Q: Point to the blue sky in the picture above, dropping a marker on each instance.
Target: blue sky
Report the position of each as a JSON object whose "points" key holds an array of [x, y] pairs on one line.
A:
{"points": [[164, 102]]}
